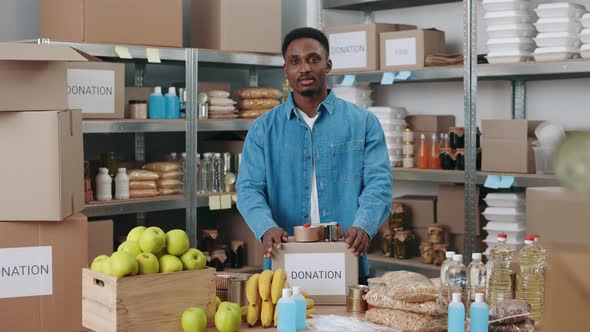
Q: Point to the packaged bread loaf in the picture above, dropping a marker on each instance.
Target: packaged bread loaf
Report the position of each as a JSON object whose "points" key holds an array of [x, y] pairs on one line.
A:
{"points": [[257, 104], [221, 102], [406, 321], [142, 175], [169, 175], [142, 185], [168, 183], [169, 191], [214, 108], [410, 287], [143, 193], [252, 114], [378, 297], [258, 93], [218, 94], [162, 166]]}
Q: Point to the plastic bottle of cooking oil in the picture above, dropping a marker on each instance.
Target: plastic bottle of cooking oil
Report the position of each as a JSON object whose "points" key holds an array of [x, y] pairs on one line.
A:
{"points": [[531, 284], [499, 287], [537, 243]]}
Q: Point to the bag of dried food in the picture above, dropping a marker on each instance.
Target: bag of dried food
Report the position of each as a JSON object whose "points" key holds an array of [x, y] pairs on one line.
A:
{"points": [[378, 298], [162, 166], [410, 287], [142, 175], [142, 185], [257, 104], [258, 93], [510, 311], [406, 321]]}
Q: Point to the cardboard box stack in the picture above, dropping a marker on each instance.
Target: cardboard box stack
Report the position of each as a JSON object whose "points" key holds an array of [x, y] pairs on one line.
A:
{"points": [[43, 238], [508, 146], [407, 50]]}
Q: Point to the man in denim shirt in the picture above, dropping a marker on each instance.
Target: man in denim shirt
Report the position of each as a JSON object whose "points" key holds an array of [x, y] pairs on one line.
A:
{"points": [[315, 158]]}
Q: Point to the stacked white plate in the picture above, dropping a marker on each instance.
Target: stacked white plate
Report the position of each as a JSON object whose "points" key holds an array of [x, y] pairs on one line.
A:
{"points": [[510, 30], [559, 31], [505, 214], [393, 121], [585, 36], [358, 94]]}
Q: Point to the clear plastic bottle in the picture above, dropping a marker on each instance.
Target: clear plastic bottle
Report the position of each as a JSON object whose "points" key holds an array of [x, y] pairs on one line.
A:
{"points": [[173, 156], [122, 184], [479, 315], [157, 104], [217, 172], [500, 284], [444, 278], [531, 284], [205, 173], [104, 183], [287, 312], [457, 278], [182, 171], [456, 318], [300, 305], [476, 278]]}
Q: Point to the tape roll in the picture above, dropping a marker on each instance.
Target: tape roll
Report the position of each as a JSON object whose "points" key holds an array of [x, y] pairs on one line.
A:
{"points": [[312, 233]]}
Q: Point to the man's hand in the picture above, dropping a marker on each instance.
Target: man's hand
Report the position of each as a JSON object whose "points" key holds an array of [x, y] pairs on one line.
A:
{"points": [[357, 240], [276, 236]]}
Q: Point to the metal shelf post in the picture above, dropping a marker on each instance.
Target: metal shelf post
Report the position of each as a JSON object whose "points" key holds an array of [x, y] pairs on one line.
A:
{"points": [[192, 65], [519, 99]]}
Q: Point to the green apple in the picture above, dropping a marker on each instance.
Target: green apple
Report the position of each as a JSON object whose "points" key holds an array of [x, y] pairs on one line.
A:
{"points": [[147, 263], [130, 247], [193, 259], [194, 320], [152, 240], [123, 264], [106, 267], [217, 303], [169, 263], [97, 263], [135, 234], [228, 317], [177, 242]]}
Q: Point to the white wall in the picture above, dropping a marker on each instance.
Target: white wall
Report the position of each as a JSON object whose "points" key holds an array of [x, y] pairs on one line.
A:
{"points": [[19, 20]]}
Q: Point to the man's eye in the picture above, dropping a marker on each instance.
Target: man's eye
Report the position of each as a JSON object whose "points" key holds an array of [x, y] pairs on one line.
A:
{"points": [[314, 60]]}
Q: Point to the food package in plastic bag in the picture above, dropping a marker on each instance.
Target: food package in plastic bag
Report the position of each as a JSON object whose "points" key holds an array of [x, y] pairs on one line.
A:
{"points": [[218, 94], [218, 108], [221, 102], [169, 191], [378, 298], [410, 287], [168, 183], [257, 104], [170, 175], [510, 311], [162, 166], [143, 193], [406, 321], [258, 93], [142, 185], [526, 326], [142, 175], [252, 114]]}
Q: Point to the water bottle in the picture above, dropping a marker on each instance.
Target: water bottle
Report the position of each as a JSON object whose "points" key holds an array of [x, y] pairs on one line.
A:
{"points": [[157, 104], [531, 283], [444, 278], [500, 284], [301, 306], [172, 103], [205, 173], [287, 312], [217, 172], [456, 317], [122, 184], [479, 315], [457, 278], [182, 171], [476, 278]]}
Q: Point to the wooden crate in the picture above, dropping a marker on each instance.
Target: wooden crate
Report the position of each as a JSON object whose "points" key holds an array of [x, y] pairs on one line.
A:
{"points": [[152, 302]]}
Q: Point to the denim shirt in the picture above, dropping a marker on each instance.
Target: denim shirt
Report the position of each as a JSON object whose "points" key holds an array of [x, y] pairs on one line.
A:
{"points": [[353, 171]]}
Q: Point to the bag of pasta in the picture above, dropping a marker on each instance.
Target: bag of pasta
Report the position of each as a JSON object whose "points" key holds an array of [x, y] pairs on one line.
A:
{"points": [[162, 166], [378, 298], [142, 175], [410, 287], [406, 321]]}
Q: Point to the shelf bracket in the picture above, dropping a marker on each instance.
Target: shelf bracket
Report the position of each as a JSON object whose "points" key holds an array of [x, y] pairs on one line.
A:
{"points": [[140, 147], [519, 99]]}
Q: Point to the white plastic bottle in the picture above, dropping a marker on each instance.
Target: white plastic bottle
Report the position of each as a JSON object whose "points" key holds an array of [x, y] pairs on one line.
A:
{"points": [[122, 184], [104, 185], [444, 279], [300, 305]]}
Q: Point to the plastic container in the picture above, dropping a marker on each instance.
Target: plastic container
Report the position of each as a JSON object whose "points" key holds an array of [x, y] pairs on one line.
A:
{"points": [[511, 31], [457, 275], [104, 191], [287, 315], [560, 9], [504, 226], [122, 184], [531, 280], [499, 283], [508, 17], [476, 278], [397, 141], [157, 106], [510, 45], [585, 21], [504, 214], [543, 159], [389, 112], [505, 200], [555, 53], [504, 5], [479, 315], [508, 57], [585, 51], [300, 305], [456, 315], [558, 39], [558, 24], [585, 36], [172, 104]]}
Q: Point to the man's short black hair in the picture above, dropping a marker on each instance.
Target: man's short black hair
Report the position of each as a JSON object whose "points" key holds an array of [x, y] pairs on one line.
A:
{"points": [[306, 33]]}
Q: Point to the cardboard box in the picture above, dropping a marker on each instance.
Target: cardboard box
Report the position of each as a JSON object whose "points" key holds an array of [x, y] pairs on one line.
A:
{"points": [[450, 210], [135, 22], [430, 123], [97, 88], [62, 20], [234, 227], [44, 177], [355, 48], [151, 302], [420, 210], [236, 25], [323, 269], [407, 50], [45, 295], [34, 76], [507, 146], [100, 238]]}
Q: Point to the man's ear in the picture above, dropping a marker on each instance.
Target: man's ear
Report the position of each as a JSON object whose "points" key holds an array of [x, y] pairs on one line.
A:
{"points": [[329, 66], [285, 69]]}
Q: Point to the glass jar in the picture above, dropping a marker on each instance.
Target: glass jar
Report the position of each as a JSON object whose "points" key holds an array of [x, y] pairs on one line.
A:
{"points": [[387, 245], [457, 137], [446, 159], [439, 253], [236, 255], [209, 240], [435, 234], [138, 109], [408, 136], [401, 244], [460, 159], [108, 160], [426, 252], [397, 217]]}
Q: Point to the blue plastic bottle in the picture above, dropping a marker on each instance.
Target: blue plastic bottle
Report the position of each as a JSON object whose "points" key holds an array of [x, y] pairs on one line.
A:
{"points": [[157, 104], [172, 104], [287, 311], [456, 320], [480, 314], [300, 305]]}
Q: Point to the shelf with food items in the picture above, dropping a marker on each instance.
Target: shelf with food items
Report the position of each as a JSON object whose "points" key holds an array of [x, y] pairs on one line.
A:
{"points": [[224, 125], [133, 126], [218, 104], [400, 264], [216, 201], [137, 205], [453, 176]]}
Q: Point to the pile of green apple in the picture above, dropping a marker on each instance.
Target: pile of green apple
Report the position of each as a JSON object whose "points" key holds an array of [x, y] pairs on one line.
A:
{"points": [[228, 318], [150, 250]]}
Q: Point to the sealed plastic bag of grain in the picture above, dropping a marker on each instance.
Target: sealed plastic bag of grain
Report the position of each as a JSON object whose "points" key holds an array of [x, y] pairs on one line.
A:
{"points": [[410, 287], [407, 321], [379, 298]]}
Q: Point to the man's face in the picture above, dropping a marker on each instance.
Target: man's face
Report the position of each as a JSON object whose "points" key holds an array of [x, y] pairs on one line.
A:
{"points": [[306, 66]]}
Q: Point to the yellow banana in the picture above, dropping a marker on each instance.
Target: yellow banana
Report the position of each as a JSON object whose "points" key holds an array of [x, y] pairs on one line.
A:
{"points": [[278, 282], [252, 289], [254, 312], [264, 284], [244, 312], [305, 294], [310, 303], [287, 285], [276, 316], [267, 314], [310, 312]]}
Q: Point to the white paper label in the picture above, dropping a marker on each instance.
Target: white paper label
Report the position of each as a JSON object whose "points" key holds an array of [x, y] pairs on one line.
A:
{"points": [[348, 50], [318, 274], [26, 271], [400, 52], [92, 91]]}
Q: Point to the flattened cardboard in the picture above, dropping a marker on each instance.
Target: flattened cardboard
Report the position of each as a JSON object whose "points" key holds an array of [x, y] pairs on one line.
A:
{"points": [[507, 146], [62, 20], [351, 264], [236, 25], [420, 210], [46, 181], [428, 42], [450, 210], [61, 311], [100, 238], [372, 46]]}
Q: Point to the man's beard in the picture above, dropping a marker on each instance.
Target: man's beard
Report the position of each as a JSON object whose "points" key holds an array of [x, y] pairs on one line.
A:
{"points": [[310, 93]]}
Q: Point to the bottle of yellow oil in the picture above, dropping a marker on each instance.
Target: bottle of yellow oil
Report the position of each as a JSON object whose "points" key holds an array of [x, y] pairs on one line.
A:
{"points": [[531, 285], [500, 285]]}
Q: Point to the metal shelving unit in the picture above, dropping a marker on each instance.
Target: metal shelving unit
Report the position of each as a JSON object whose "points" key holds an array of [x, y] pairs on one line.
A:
{"points": [[111, 208], [132, 126], [373, 5], [225, 125], [442, 176]]}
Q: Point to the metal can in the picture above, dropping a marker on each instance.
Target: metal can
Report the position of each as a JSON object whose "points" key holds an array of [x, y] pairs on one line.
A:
{"points": [[236, 292], [355, 301]]}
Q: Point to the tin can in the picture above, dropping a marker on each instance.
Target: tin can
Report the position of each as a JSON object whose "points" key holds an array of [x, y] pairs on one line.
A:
{"points": [[236, 292], [203, 111], [355, 301]]}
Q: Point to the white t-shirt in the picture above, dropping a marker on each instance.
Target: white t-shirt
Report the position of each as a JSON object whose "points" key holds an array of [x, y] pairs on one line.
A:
{"points": [[314, 213]]}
